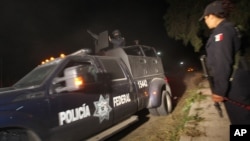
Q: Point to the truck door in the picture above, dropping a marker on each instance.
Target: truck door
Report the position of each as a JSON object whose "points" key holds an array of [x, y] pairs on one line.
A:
{"points": [[123, 92], [79, 113]]}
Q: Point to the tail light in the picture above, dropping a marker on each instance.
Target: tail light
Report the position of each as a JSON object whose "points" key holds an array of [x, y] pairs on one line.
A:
{"points": [[166, 80]]}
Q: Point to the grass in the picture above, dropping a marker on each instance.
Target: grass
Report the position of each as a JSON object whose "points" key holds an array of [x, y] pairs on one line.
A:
{"points": [[183, 117]]}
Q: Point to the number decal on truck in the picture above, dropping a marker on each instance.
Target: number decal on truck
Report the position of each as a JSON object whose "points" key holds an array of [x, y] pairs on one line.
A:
{"points": [[142, 83]]}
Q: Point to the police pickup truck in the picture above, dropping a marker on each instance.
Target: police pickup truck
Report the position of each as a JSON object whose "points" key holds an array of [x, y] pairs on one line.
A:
{"points": [[80, 96]]}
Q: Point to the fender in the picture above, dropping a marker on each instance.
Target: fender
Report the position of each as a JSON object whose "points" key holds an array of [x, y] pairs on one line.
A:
{"points": [[155, 91], [10, 121]]}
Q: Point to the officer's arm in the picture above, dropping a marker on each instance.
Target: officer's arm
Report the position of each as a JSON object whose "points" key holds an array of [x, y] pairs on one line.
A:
{"points": [[223, 61]]}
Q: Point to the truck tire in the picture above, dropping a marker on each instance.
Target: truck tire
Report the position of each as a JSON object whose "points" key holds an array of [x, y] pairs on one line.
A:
{"points": [[17, 135], [166, 106]]}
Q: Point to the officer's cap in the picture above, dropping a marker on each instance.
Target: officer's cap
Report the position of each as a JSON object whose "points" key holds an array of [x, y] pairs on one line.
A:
{"points": [[213, 8]]}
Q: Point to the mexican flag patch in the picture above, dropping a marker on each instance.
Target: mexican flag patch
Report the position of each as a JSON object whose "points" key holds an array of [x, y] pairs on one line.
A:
{"points": [[218, 37]]}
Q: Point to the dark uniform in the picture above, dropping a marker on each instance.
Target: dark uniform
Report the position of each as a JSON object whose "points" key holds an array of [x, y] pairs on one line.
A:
{"points": [[117, 40], [221, 47]]}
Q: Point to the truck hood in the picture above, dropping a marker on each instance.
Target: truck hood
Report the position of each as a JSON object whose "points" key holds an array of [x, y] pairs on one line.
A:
{"points": [[11, 94], [6, 89]]}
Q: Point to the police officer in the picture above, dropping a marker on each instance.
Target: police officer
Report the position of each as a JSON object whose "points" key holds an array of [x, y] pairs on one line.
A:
{"points": [[117, 40], [221, 48]]}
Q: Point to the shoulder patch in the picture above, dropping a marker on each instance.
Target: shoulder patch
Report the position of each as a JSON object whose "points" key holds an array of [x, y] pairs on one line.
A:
{"points": [[218, 37]]}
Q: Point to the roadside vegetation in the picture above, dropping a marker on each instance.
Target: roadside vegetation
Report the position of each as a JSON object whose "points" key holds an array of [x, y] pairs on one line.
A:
{"points": [[182, 122], [181, 116]]}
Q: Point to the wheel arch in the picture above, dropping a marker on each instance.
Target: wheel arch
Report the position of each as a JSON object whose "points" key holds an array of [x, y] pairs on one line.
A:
{"points": [[14, 125], [31, 135], [157, 85]]}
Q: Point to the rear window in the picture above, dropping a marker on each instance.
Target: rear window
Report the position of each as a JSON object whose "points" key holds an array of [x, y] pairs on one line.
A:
{"points": [[113, 68], [140, 51], [135, 50], [150, 52]]}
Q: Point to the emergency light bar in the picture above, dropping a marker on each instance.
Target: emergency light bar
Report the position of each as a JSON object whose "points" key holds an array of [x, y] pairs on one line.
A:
{"points": [[79, 52]]}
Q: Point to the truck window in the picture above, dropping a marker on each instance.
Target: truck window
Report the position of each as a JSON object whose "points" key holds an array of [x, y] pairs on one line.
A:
{"points": [[150, 52], [113, 68], [134, 50], [140, 51]]}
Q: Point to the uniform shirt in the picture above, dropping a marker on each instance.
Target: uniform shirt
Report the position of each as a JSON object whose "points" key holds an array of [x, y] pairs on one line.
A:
{"points": [[221, 47], [118, 42]]}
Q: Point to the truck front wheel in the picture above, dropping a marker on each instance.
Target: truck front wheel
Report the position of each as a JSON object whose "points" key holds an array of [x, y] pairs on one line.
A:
{"points": [[17, 135], [166, 105]]}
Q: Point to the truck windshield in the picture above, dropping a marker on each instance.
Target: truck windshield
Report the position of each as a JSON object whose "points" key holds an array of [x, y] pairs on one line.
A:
{"points": [[36, 76]]}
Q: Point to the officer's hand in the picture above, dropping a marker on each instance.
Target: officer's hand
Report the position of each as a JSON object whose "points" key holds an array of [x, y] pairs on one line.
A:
{"points": [[217, 98]]}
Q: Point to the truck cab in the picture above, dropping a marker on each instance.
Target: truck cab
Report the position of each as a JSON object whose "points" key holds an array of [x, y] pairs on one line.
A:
{"points": [[80, 95]]}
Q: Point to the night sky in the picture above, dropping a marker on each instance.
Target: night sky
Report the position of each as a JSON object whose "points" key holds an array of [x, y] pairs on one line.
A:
{"points": [[32, 31]]}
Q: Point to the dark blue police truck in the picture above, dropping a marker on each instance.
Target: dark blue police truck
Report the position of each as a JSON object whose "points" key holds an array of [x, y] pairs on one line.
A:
{"points": [[83, 97]]}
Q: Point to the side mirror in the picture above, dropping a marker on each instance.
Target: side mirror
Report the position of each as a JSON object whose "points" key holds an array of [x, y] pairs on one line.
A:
{"points": [[73, 79]]}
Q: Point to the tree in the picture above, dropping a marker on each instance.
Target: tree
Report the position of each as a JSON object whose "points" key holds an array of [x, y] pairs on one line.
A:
{"points": [[181, 20]]}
